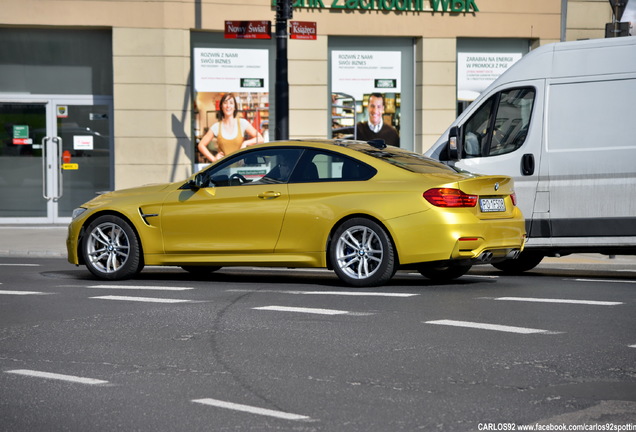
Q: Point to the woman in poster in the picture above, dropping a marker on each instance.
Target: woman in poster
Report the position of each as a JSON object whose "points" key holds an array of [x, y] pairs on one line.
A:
{"points": [[230, 132]]}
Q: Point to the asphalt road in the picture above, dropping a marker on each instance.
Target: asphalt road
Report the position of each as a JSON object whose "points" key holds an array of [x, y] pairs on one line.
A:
{"points": [[284, 350]]}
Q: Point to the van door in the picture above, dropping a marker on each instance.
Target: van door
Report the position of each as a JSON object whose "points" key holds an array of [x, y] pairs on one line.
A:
{"points": [[502, 135]]}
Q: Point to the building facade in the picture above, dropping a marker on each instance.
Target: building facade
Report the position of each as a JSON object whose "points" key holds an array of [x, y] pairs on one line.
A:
{"points": [[107, 94]]}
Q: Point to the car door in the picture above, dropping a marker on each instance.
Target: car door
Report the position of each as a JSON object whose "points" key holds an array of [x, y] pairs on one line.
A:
{"points": [[239, 211]]}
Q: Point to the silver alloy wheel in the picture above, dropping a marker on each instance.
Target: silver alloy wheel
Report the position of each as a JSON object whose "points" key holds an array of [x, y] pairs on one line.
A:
{"points": [[359, 252], [108, 247]]}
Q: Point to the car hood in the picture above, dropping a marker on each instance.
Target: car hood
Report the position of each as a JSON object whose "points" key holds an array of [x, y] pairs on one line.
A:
{"points": [[141, 194]]}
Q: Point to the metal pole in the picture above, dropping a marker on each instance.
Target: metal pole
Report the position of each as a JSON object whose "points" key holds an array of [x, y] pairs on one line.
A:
{"points": [[282, 85]]}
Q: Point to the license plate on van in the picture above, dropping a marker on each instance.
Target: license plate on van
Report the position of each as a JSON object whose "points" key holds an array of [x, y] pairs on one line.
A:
{"points": [[489, 205]]}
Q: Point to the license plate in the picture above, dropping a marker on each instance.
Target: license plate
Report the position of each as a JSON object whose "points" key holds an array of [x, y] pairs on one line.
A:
{"points": [[492, 205]]}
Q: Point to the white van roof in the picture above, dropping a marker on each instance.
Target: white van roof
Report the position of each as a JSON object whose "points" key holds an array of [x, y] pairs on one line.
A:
{"points": [[571, 59]]}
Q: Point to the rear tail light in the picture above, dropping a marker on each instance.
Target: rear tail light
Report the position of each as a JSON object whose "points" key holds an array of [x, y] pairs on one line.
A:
{"points": [[513, 197], [447, 197]]}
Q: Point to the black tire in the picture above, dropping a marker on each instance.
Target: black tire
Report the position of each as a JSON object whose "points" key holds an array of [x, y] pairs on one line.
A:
{"points": [[111, 249], [445, 274], [526, 261], [200, 270], [362, 253]]}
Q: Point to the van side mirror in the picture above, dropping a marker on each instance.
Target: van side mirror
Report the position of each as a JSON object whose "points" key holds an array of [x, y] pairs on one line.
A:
{"points": [[455, 144]]}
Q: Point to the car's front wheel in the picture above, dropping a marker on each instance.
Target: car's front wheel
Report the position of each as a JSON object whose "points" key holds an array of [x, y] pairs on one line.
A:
{"points": [[362, 253], [111, 249]]}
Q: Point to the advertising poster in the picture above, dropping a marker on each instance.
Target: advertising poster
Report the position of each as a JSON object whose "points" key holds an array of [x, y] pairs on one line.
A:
{"points": [[356, 76], [242, 72], [475, 71]]}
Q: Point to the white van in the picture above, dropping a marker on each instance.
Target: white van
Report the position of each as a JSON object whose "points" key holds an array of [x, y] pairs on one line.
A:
{"points": [[562, 122]]}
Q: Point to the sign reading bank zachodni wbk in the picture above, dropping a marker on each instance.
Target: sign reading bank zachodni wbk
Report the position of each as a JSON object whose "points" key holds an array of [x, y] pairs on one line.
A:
{"points": [[452, 6]]}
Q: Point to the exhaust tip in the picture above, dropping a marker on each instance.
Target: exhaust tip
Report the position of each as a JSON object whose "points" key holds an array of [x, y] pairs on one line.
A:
{"points": [[485, 257]]}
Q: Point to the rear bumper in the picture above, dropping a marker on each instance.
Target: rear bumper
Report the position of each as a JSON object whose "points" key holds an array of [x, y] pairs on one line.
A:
{"points": [[427, 237]]}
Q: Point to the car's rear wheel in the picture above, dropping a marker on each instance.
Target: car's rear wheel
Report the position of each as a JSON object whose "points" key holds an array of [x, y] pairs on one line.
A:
{"points": [[111, 249], [362, 253], [200, 270], [445, 274], [526, 261]]}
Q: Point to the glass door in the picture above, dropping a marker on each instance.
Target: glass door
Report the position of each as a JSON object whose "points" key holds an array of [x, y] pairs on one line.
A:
{"points": [[55, 154]]}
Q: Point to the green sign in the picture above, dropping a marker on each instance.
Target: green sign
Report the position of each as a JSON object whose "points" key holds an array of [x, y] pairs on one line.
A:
{"points": [[20, 132], [252, 82], [452, 6]]}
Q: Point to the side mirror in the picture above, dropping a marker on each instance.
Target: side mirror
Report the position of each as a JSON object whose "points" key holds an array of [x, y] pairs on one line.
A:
{"points": [[455, 144], [191, 185]]}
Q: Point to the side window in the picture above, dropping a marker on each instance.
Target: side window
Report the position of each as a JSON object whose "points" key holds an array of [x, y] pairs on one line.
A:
{"points": [[316, 166], [254, 167], [500, 125]]}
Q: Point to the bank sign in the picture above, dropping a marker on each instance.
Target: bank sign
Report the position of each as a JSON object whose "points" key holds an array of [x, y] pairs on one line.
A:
{"points": [[453, 6]]}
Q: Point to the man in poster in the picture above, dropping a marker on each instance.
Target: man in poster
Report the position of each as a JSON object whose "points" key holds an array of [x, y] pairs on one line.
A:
{"points": [[375, 128]]}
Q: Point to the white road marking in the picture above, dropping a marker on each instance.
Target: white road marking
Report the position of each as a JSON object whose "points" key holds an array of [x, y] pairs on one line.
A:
{"points": [[250, 409], [495, 327], [19, 265], [55, 376], [142, 299], [632, 346], [303, 310], [340, 293], [548, 300], [606, 280], [8, 292], [140, 287]]}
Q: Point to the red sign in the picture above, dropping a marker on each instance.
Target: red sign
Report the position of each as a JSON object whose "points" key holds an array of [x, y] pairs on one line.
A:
{"points": [[248, 30], [302, 30], [22, 141], [66, 156]]}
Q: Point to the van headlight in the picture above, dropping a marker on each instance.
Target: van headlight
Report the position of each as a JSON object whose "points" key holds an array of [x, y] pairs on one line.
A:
{"points": [[77, 212]]}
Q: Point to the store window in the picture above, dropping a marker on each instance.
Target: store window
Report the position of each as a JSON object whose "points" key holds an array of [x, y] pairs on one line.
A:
{"points": [[371, 88], [242, 69], [54, 61], [481, 61]]}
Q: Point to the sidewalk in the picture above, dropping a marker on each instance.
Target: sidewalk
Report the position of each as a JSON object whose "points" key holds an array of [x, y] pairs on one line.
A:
{"points": [[49, 241]]}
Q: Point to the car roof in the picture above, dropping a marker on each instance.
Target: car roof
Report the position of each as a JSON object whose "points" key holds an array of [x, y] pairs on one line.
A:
{"points": [[372, 152]]}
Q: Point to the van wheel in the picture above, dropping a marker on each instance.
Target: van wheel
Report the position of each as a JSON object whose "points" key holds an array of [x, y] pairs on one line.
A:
{"points": [[526, 261], [111, 249], [362, 253], [445, 274]]}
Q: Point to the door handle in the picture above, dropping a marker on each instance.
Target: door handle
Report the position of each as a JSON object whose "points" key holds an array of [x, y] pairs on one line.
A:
{"points": [[269, 195], [527, 164], [45, 141], [58, 161]]}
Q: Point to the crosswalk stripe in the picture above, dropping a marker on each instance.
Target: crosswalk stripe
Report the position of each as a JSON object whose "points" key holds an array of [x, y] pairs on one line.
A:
{"points": [[606, 280], [250, 409], [55, 376], [142, 299], [303, 310], [495, 327], [140, 287], [548, 300], [336, 293], [10, 292]]}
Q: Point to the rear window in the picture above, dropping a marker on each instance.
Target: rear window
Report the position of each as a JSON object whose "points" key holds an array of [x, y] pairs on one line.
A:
{"points": [[407, 160]]}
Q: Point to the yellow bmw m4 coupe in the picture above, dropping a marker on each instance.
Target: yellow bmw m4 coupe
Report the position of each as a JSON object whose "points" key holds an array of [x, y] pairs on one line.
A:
{"points": [[364, 210]]}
